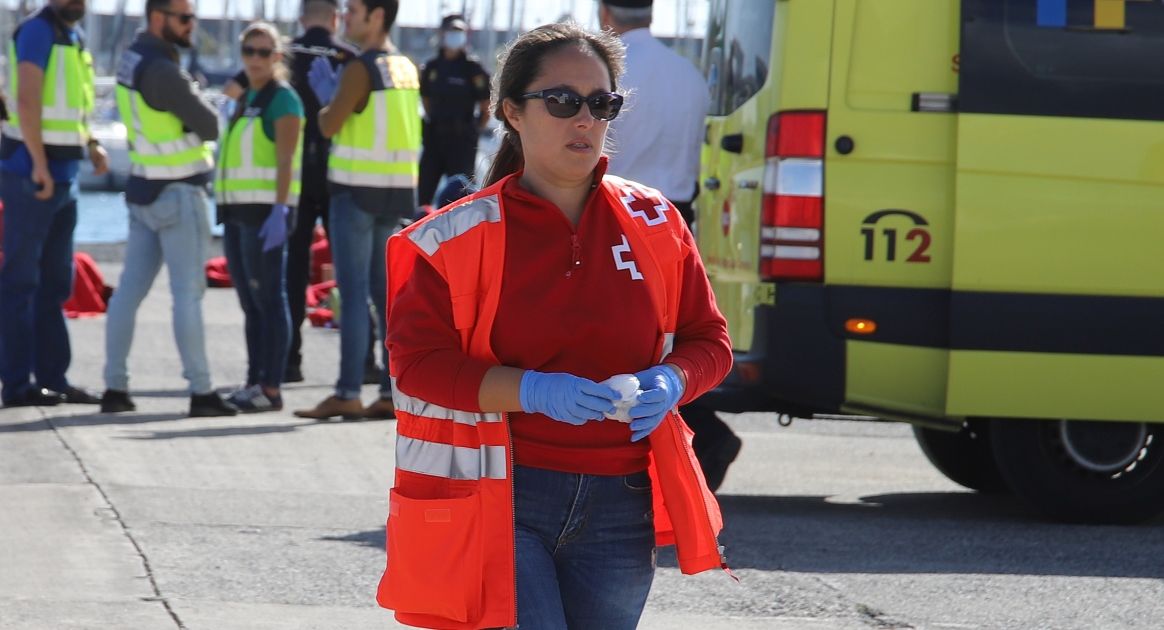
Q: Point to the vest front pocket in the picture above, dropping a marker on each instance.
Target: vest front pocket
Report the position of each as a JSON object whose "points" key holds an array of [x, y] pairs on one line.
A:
{"points": [[434, 557]]}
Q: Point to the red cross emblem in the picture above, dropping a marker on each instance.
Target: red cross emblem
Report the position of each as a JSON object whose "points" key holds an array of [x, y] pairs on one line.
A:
{"points": [[641, 204]]}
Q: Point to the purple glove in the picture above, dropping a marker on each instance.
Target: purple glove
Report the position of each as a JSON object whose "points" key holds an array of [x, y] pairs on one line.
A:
{"points": [[565, 397], [274, 230], [661, 391]]}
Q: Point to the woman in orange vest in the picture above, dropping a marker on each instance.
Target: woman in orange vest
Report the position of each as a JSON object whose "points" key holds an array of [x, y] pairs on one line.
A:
{"points": [[517, 501]]}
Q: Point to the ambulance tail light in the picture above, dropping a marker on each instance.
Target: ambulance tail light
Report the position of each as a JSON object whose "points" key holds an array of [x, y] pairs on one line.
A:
{"points": [[792, 220]]}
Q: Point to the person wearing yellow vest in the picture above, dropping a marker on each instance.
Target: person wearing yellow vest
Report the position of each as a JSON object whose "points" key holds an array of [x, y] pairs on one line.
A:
{"points": [[522, 496], [257, 190], [168, 127], [372, 115], [44, 140]]}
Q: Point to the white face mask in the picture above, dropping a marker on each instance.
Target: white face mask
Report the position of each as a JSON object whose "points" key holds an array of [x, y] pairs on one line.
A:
{"points": [[454, 39]]}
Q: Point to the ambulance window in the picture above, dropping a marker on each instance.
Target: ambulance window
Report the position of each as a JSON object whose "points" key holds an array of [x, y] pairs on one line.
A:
{"points": [[738, 45], [1078, 58]]}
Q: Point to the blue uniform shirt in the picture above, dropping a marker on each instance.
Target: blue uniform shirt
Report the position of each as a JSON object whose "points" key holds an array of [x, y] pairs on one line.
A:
{"points": [[34, 43]]}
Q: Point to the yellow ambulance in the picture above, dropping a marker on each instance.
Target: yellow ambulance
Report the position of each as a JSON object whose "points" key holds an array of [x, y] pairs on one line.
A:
{"points": [[949, 213]]}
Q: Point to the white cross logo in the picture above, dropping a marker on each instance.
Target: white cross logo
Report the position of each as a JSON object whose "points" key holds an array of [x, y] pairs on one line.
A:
{"points": [[619, 263]]}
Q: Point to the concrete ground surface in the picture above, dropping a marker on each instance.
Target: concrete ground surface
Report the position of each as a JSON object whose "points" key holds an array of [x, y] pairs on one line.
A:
{"points": [[152, 520]]}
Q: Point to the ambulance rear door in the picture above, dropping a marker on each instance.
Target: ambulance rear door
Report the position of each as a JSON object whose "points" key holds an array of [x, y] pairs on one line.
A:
{"points": [[1058, 277]]}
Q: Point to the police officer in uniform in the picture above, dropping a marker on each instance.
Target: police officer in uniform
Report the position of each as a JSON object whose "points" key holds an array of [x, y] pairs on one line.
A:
{"points": [[168, 127], [371, 113], [51, 79], [455, 91], [320, 20]]}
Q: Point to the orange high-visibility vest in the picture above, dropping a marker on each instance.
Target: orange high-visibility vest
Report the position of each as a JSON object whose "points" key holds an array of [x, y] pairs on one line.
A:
{"points": [[450, 517]]}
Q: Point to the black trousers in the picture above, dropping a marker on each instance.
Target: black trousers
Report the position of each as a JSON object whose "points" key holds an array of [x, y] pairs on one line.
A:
{"points": [[312, 207], [448, 150]]}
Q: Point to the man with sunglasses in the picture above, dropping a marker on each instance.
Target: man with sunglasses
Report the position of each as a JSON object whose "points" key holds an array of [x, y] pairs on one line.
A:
{"points": [[657, 142], [371, 113], [168, 125], [44, 140]]}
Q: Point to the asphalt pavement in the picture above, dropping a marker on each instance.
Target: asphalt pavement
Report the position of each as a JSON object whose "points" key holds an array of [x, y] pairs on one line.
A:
{"points": [[152, 520]]}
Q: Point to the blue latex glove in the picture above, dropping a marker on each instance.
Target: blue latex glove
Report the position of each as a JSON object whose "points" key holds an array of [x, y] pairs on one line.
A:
{"points": [[274, 230], [565, 397], [323, 80], [662, 390]]}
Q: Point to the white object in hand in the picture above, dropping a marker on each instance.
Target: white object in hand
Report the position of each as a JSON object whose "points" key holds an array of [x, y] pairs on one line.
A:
{"points": [[628, 387]]}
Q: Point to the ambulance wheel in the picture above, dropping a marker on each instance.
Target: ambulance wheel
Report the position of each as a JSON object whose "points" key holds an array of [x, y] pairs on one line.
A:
{"points": [[964, 457], [1083, 471]]}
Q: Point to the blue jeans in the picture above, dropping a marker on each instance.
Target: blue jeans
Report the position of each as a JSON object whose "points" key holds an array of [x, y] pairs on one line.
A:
{"points": [[174, 230], [585, 549], [357, 250], [261, 282], [35, 280]]}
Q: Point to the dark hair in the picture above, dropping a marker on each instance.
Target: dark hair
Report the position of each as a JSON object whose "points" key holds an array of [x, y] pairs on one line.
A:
{"points": [[519, 66], [390, 8], [318, 8], [156, 5]]}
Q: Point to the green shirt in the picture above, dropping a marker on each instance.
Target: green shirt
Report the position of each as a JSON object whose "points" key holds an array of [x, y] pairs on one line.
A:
{"points": [[286, 102]]}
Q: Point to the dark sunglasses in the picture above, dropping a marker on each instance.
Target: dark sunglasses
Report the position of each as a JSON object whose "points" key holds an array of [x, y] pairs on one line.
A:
{"points": [[251, 51], [183, 18], [565, 103]]}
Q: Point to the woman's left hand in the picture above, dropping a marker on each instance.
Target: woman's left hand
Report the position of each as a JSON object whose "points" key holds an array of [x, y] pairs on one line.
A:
{"points": [[274, 230], [661, 390]]}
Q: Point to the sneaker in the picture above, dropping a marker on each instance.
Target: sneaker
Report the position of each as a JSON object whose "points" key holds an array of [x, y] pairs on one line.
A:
{"points": [[77, 396], [333, 406], [36, 397], [210, 405], [116, 401], [293, 374], [382, 409], [253, 400]]}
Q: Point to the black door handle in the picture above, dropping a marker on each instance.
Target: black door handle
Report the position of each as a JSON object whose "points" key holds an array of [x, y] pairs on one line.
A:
{"points": [[732, 142], [711, 183]]}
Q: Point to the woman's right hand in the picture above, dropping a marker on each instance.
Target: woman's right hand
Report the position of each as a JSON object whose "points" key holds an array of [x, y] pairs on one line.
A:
{"points": [[565, 397]]}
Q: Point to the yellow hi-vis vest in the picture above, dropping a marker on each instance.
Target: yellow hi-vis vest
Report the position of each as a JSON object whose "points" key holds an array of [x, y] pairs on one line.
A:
{"points": [[68, 94], [247, 161], [160, 148], [378, 147]]}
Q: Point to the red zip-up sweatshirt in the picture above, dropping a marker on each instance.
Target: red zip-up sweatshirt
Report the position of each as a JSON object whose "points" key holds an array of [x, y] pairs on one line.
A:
{"points": [[570, 302]]}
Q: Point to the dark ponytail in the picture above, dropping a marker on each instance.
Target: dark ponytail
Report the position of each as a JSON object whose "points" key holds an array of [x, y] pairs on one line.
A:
{"points": [[519, 66]]}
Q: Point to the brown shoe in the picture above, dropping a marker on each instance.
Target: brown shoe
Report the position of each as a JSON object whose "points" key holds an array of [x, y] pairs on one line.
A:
{"points": [[382, 409], [332, 407]]}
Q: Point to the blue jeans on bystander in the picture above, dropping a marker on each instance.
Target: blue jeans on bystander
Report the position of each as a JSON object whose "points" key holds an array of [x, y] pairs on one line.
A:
{"points": [[35, 280], [357, 240], [585, 549], [173, 229], [260, 279]]}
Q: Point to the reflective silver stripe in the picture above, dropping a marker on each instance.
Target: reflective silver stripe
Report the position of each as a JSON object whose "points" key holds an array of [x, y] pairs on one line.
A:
{"points": [[451, 462], [170, 172], [372, 180], [253, 172], [455, 222], [252, 196], [668, 344], [417, 407], [54, 138], [145, 147], [375, 154], [60, 109]]}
